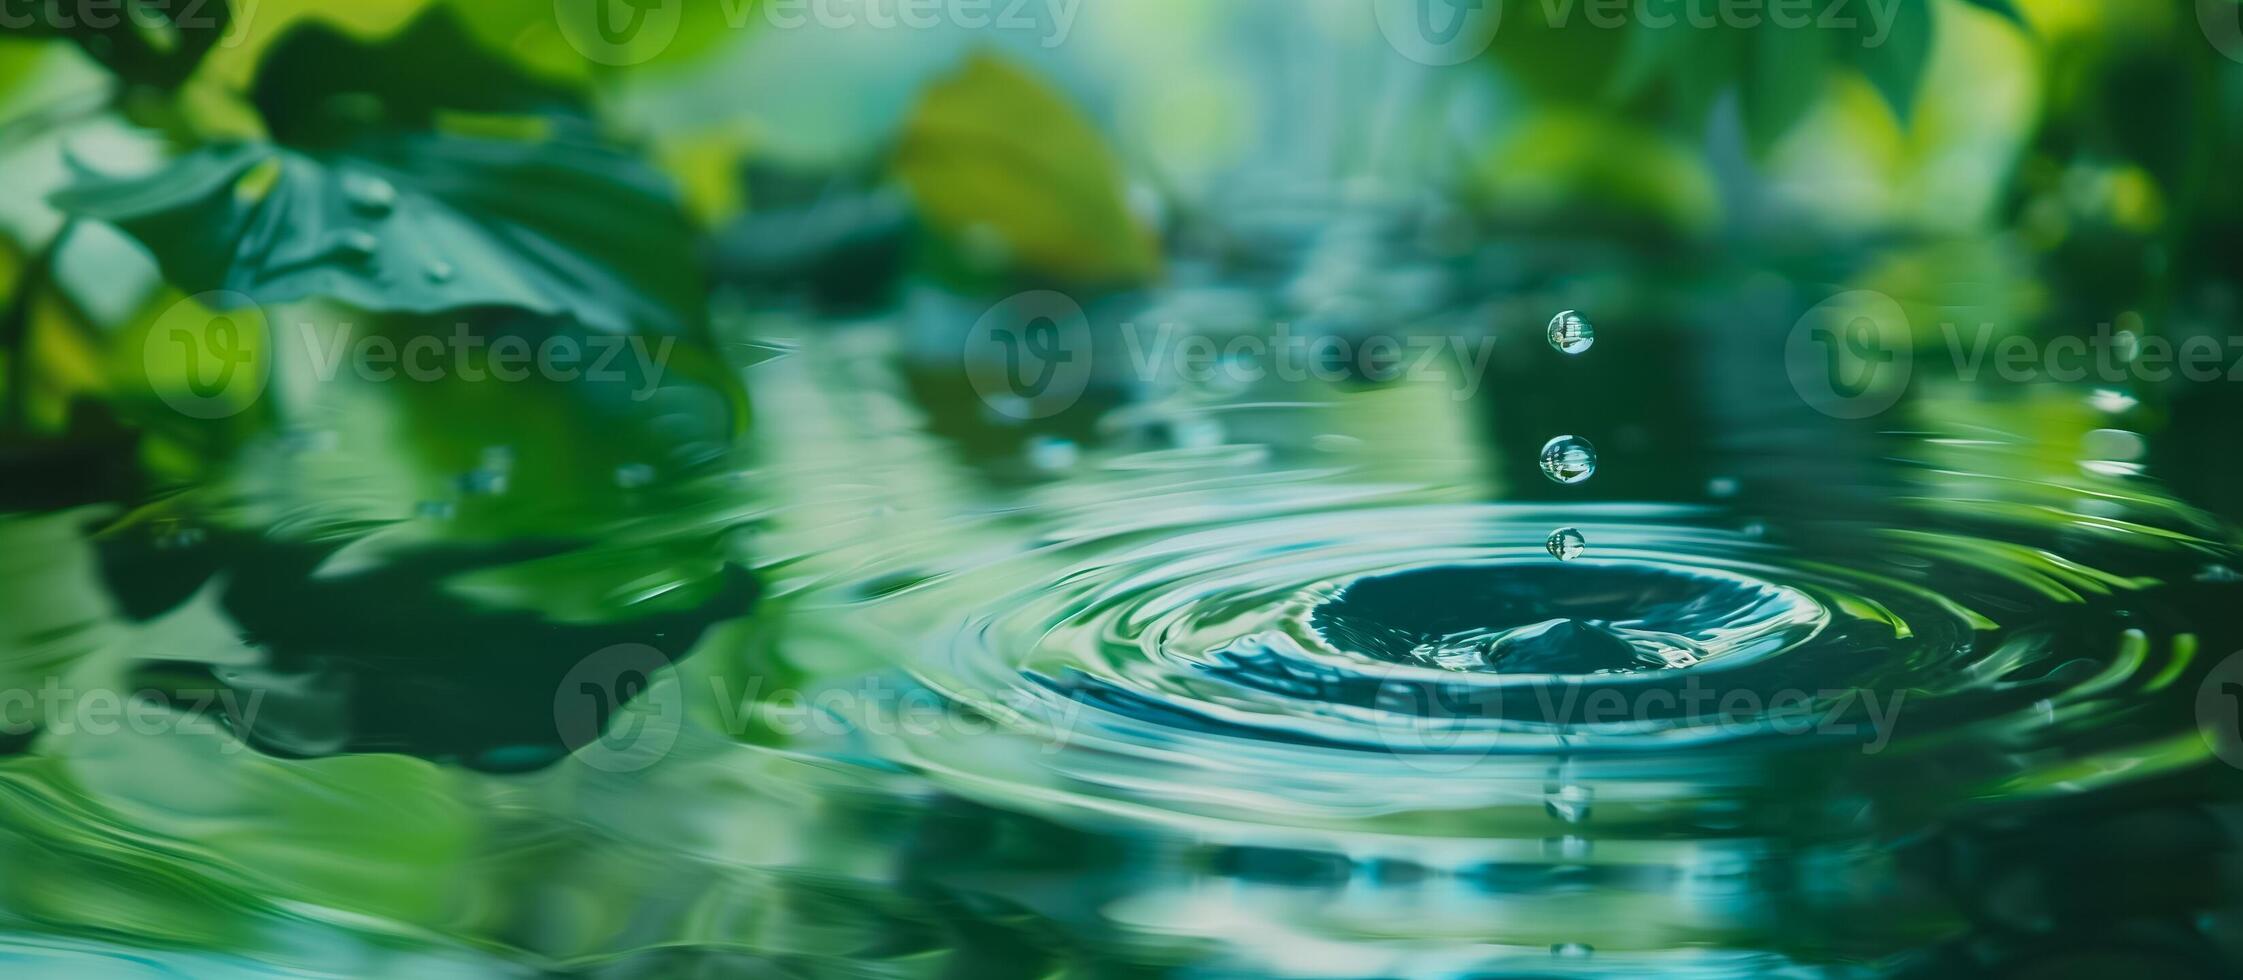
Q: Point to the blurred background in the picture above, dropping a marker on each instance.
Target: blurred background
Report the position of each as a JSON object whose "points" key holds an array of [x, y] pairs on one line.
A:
{"points": [[647, 488]]}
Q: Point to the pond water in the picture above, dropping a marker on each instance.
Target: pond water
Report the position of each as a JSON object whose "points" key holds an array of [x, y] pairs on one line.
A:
{"points": [[1197, 675]]}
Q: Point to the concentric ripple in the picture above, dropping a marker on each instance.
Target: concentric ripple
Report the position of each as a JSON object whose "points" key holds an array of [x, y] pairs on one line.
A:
{"points": [[1436, 657]]}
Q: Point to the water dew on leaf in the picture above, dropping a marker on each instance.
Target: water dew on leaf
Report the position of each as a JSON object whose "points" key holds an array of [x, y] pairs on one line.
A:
{"points": [[370, 195], [354, 245]]}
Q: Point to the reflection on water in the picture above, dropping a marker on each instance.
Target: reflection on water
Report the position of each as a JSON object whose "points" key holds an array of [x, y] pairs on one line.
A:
{"points": [[1198, 678]]}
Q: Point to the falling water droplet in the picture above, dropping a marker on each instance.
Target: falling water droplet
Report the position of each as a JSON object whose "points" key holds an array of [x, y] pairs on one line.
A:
{"points": [[1570, 333], [369, 195], [1566, 544], [1569, 802], [1722, 487], [1572, 951], [439, 270], [1569, 459]]}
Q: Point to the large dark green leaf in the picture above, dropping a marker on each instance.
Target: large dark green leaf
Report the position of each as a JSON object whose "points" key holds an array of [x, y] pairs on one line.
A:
{"points": [[418, 223], [1895, 62], [2006, 8], [323, 87], [1784, 75], [150, 43], [370, 194]]}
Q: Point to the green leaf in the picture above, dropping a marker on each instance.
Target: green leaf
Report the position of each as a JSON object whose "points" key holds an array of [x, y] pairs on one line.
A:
{"points": [[992, 149], [1646, 57], [1895, 63], [323, 86], [418, 223], [2005, 8], [142, 41], [1783, 79]]}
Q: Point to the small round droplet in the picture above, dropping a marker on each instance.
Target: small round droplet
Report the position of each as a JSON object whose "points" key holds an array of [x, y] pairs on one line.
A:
{"points": [[369, 195], [1569, 459], [439, 270], [1566, 544], [357, 244], [1571, 334]]}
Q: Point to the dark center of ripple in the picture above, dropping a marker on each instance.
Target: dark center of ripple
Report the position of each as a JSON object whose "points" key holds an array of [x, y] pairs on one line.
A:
{"points": [[1517, 618]]}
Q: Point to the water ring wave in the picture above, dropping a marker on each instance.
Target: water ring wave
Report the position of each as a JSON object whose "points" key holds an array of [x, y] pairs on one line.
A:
{"points": [[1383, 662]]}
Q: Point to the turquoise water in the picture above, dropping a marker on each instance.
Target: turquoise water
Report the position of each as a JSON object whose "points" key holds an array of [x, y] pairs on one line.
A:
{"points": [[1203, 679]]}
